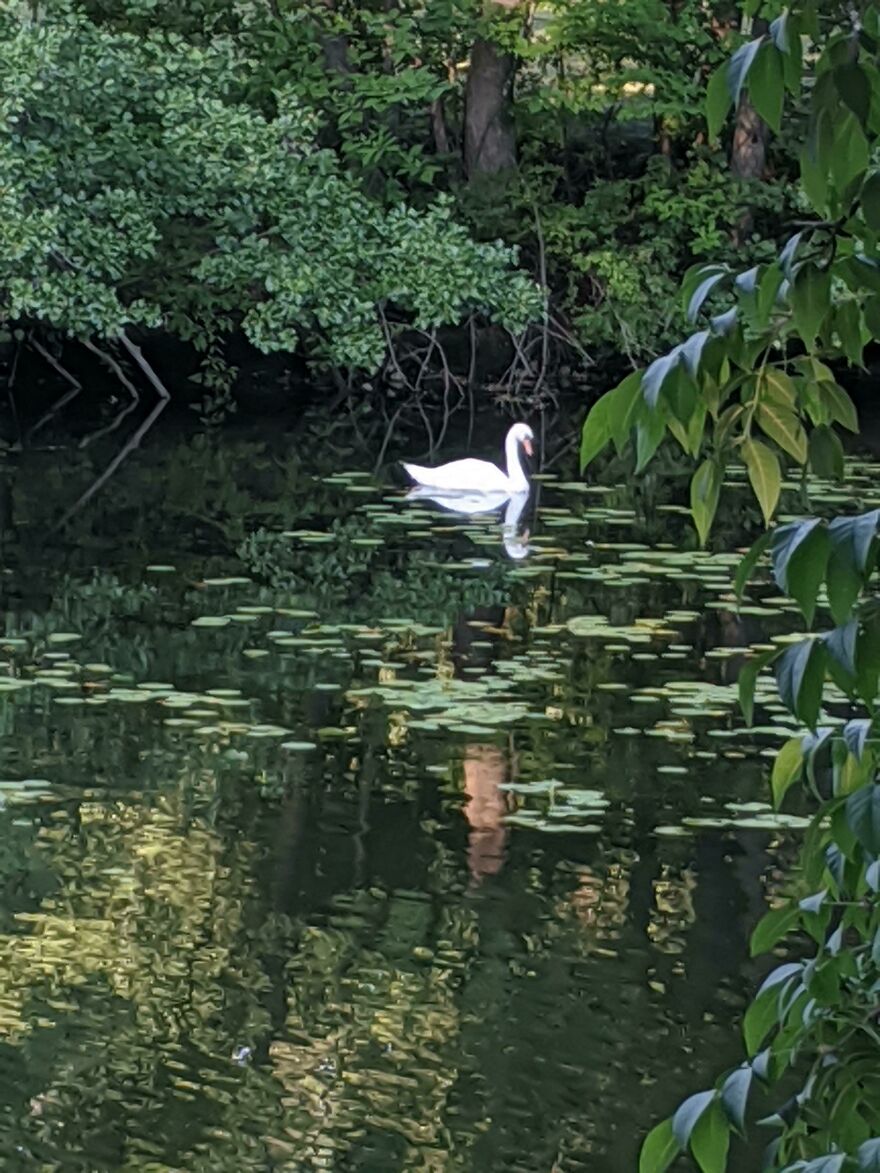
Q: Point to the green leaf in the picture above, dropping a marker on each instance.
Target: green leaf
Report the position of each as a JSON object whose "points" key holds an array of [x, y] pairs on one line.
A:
{"points": [[854, 536], [830, 1163], [739, 66], [597, 429], [841, 645], [702, 292], [810, 300], [650, 430], [748, 679], [848, 324], [871, 314], [767, 85], [863, 817], [735, 1096], [770, 929], [800, 674], [826, 453], [710, 1140], [776, 387], [784, 427], [656, 374], [764, 475], [749, 561], [802, 568], [850, 154], [855, 734], [787, 768], [692, 351], [854, 88], [659, 1149], [718, 101], [768, 290], [759, 1020], [868, 1156], [624, 408], [688, 1113], [840, 407], [788, 254], [871, 201], [705, 491]]}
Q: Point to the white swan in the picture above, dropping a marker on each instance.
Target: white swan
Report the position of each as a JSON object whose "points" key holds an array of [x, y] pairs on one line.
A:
{"points": [[480, 475]]}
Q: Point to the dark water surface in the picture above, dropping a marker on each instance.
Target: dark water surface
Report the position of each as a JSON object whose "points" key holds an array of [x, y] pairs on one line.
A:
{"points": [[334, 838]]}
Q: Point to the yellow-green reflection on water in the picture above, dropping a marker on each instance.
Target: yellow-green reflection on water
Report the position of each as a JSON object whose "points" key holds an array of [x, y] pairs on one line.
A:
{"points": [[333, 838]]}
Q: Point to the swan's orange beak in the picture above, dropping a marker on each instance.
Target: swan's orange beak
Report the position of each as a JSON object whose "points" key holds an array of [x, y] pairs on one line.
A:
{"points": [[527, 444]]}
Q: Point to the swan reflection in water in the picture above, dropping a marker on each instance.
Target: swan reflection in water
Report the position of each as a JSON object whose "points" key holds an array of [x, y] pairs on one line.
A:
{"points": [[516, 542]]}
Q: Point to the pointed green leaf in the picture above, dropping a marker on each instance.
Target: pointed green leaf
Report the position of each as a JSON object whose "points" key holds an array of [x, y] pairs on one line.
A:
{"points": [[597, 428], [810, 300], [748, 679], [735, 1096], [826, 453], [863, 817], [702, 292], [710, 1140], [855, 734], [625, 406], [739, 66], [688, 1113], [718, 101], [848, 324], [770, 929], [800, 674], [656, 374], [705, 491], [854, 88], [871, 201], [764, 475], [759, 1020], [841, 645], [650, 430], [787, 768], [766, 85], [659, 1149], [784, 427], [840, 407], [868, 1156], [749, 561]]}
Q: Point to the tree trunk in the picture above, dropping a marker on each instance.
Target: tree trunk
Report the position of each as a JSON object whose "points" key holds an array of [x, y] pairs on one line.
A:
{"points": [[489, 136], [748, 154]]}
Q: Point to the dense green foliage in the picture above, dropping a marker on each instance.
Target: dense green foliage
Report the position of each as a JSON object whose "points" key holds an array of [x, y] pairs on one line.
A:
{"points": [[172, 199], [295, 170], [755, 385]]}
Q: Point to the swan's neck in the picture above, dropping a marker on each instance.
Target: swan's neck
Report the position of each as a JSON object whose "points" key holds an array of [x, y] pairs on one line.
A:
{"points": [[515, 474]]}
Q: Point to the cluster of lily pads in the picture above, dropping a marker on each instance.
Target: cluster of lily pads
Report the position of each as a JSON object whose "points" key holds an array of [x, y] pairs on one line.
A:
{"points": [[605, 640]]}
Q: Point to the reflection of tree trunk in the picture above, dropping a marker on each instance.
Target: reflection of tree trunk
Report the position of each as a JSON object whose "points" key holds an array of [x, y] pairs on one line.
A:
{"points": [[484, 770], [489, 136], [748, 155]]}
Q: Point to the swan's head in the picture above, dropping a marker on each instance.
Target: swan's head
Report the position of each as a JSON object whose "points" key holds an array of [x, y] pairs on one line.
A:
{"points": [[523, 435]]}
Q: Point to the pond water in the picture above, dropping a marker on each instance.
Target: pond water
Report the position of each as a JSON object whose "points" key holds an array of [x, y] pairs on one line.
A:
{"points": [[336, 838]]}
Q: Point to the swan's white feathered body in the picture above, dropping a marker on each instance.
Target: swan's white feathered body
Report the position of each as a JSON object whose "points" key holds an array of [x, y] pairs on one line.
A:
{"points": [[480, 476]]}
